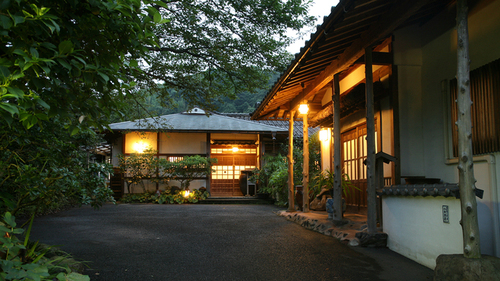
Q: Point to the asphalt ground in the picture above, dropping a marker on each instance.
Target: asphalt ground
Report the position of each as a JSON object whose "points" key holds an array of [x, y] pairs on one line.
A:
{"points": [[211, 242]]}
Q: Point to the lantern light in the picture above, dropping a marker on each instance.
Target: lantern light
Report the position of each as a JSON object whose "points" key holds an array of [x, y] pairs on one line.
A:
{"points": [[140, 147], [324, 134], [235, 149], [303, 108]]}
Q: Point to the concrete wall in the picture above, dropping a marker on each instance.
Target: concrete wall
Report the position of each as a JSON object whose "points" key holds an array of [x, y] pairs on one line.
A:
{"points": [[426, 60]]}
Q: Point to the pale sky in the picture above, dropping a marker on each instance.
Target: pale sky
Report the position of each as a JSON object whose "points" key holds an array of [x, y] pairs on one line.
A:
{"points": [[319, 9]]}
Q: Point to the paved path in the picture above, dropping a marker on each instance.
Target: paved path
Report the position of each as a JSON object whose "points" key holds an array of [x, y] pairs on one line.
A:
{"points": [[211, 242]]}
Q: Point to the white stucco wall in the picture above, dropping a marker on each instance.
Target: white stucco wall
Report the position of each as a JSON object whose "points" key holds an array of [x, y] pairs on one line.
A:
{"points": [[179, 143], [416, 229], [426, 60]]}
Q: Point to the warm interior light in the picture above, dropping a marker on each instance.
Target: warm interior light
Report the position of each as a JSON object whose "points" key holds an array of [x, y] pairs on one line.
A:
{"points": [[235, 149], [140, 147], [303, 108], [186, 193], [324, 134]]}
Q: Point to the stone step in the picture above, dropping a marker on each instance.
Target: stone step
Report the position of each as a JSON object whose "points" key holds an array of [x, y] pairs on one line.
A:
{"points": [[235, 200]]}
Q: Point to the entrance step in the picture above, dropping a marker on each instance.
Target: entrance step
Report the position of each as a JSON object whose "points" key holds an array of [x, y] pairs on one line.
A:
{"points": [[235, 200]]}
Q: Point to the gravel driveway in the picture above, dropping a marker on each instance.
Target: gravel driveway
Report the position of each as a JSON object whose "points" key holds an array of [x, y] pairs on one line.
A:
{"points": [[211, 242]]}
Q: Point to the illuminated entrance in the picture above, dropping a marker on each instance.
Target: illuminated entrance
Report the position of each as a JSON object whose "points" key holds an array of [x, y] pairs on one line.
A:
{"points": [[231, 160]]}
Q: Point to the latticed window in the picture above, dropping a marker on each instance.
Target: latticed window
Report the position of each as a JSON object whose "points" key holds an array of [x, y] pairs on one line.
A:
{"points": [[485, 114]]}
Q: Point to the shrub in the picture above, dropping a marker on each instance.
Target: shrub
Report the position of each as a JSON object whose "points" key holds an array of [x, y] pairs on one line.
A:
{"points": [[22, 260], [166, 197]]}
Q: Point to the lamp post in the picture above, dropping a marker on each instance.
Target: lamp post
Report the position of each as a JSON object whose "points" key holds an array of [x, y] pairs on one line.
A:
{"points": [[304, 109]]}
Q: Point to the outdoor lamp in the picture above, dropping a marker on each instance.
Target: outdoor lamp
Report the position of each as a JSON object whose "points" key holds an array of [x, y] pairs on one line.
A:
{"points": [[324, 134], [235, 149], [303, 108]]}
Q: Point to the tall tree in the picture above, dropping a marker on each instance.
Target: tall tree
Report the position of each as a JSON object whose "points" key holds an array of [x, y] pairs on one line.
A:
{"points": [[71, 59], [85, 60], [219, 48]]}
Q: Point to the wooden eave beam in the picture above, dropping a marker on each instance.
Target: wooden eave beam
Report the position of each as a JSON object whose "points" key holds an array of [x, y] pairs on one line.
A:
{"points": [[395, 17], [379, 58]]}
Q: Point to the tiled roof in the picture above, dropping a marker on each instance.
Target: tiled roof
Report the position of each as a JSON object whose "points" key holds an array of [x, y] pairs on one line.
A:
{"points": [[297, 125], [197, 120]]}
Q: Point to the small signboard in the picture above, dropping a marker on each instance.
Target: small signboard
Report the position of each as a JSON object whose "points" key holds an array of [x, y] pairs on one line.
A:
{"points": [[446, 214]]}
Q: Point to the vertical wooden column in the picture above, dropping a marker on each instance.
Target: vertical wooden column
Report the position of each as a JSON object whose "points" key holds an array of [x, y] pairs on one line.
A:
{"points": [[337, 182], [305, 175], [470, 228], [370, 140], [291, 191], [209, 155], [158, 157]]}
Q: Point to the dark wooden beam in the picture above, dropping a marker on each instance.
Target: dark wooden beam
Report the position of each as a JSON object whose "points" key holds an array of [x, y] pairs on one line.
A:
{"points": [[379, 58]]}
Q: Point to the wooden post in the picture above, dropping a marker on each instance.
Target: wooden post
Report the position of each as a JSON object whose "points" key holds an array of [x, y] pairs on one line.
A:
{"points": [[305, 176], [291, 191], [209, 155], [370, 140], [337, 182], [470, 228]]}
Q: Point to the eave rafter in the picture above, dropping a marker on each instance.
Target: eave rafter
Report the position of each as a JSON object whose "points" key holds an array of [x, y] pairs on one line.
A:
{"points": [[395, 17]]}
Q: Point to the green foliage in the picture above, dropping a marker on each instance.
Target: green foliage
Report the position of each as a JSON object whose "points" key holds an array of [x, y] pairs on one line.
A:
{"points": [[41, 169], [210, 51], [272, 177], [28, 261], [166, 197], [139, 167], [325, 179], [188, 169], [71, 59]]}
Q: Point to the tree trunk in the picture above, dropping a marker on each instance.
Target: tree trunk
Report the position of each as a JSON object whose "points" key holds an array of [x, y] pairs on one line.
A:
{"points": [[370, 143], [470, 228], [291, 193], [337, 182]]}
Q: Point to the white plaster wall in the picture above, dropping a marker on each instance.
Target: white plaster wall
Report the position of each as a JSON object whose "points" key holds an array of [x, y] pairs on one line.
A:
{"points": [[408, 58], [195, 184], [416, 229], [426, 59], [188, 143], [138, 188], [486, 172]]}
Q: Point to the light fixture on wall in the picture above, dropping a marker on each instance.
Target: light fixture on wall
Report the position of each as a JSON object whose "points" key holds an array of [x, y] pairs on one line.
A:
{"points": [[324, 134], [140, 147], [303, 108], [235, 149]]}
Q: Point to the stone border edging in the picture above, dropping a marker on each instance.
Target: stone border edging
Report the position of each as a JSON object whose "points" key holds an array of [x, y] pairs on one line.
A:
{"points": [[345, 233]]}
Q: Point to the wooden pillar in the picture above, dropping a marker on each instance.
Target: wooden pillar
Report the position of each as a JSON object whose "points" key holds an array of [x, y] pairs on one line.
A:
{"points": [[337, 182], [209, 155], [470, 228], [370, 139], [291, 189], [305, 175]]}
